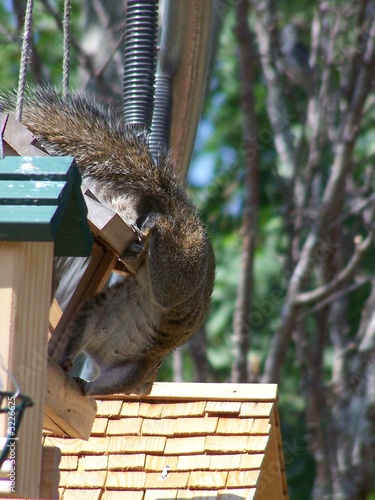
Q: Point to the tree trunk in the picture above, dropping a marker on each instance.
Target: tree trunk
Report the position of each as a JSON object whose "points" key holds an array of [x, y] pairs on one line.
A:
{"points": [[247, 69]]}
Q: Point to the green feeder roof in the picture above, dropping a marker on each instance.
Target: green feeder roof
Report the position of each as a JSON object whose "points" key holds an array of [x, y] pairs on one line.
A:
{"points": [[41, 200]]}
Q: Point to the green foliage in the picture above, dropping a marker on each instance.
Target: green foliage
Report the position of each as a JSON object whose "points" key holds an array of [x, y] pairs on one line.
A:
{"points": [[46, 56]]}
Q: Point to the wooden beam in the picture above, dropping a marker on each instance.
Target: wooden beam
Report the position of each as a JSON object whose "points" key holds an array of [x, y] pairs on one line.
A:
{"points": [[206, 392], [25, 291], [67, 411], [110, 229], [93, 280], [49, 485], [18, 140], [272, 482]]}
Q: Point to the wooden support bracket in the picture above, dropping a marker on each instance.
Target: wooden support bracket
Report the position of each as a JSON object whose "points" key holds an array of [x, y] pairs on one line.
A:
{"points": [[67, 411]]}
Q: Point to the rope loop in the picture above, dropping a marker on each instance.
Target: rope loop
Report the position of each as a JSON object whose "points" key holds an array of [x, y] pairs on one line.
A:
{"points": [[26, 40], [66, 56]]}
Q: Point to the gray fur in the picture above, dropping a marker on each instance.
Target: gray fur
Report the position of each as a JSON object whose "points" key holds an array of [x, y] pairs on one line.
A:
{"points": [[129, 327]]}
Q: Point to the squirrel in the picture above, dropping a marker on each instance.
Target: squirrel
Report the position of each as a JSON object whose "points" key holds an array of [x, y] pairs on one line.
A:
{"points": [[128, 328]]}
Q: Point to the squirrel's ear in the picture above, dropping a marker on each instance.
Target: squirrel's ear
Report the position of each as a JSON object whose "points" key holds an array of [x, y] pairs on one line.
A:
{"points": [[128, 377]]}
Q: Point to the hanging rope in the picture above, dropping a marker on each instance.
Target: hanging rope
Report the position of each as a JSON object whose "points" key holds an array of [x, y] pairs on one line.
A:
{"points": [[66, 57], [24, 58]]}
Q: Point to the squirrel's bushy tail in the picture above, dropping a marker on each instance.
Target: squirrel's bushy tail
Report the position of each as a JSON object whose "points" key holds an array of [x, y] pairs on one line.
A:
{"points": [[80, 126]]}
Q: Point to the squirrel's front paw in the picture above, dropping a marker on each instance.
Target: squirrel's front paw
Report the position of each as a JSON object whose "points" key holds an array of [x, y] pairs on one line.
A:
{"points": [[133, 251]]}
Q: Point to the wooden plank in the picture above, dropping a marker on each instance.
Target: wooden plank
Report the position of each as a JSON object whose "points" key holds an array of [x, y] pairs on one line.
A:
{"points": [[275, 423], [124, 426], [251, 461], [149, 410], [261, 426], [195, 426], [223, 407], [18, 138], [93, 280], [245, 478], [271, 483], [226, 444], [80, 494], [158, 427], [126, 480], [188, 391], [25, 291], [184, 409], [234, 426], [86, 479], [99, 427], [94, 462], [158, 462], [160, 494], [136, 444], [108, 226], [68, 462], [207, 479], [257, 444], [132, 461], [171, 480], [193, 462], [49, 485], [109, 408], [67, 446], [119, 495], [256, 409], [95, 445], [225, 462], [188, 445], [130, 409], [66, 406]]}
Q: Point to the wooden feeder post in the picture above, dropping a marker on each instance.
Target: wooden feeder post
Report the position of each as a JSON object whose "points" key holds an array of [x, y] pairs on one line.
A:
{"points": [[42, 214]]}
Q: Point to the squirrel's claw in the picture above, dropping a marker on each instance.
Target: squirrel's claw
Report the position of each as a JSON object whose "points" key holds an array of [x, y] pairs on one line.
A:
{"points": [[133, 251], [136, 248]]}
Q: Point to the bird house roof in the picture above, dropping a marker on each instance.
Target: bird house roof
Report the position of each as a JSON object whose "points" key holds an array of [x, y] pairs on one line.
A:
{"points": [[183, 441]]}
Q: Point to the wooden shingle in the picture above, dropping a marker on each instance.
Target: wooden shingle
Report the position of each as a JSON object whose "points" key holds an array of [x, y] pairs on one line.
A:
{"points": [[174, 445], [189, 409], [134, 461], [126, 480], [124, 426], [109, 408], [186, 445], [96, 462], [159, 427], [158, 462]]}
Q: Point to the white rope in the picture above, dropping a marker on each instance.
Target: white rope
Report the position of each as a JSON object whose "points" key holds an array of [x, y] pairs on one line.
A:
{"points": [[66, 57], [24, 58]]}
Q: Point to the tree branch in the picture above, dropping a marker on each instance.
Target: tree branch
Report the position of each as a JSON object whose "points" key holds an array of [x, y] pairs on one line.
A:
{"points": [[331, 197], [267, 39], [247, 60], [328, 300], [346, 273]]}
